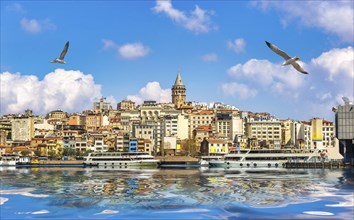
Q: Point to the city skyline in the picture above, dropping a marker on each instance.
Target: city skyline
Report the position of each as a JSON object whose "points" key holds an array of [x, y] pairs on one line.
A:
{"points": [[134, 50]]}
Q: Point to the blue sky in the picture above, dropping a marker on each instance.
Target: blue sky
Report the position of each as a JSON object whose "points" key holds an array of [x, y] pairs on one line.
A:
{"points": [[134, 50]]}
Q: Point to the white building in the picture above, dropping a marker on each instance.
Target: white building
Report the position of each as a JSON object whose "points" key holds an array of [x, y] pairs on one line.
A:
{"points": [[182, 127]]}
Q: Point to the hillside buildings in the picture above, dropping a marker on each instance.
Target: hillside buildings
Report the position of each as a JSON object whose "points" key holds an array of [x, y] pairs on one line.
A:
{"points": [[177, 128]]}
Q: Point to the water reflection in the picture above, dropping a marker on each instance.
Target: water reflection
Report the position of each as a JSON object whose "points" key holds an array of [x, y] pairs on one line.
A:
{"points": [[182, 191]]}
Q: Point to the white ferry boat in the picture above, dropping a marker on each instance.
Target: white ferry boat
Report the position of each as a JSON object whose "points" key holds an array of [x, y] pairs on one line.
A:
{"points": [[9, 159], [264, 158], [121, 159], [205, 160]]}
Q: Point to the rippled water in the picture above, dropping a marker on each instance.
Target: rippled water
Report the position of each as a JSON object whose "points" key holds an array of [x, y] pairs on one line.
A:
{"points": [[90, 193]]}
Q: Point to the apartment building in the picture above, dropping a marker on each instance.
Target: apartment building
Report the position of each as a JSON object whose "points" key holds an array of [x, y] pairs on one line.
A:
{"points": [[57, 117], [201, 117], [170, 125], [201, 132], [101, 106], [267, 133], [93, 121], [128, 119], [228, 125], [144, 131], [126, 105], [81, 144], [22, 129], [77, 119]]}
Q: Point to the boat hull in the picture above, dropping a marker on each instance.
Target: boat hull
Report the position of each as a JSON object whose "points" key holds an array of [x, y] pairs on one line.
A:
{"points": [[125, 163], [247, 164], [8, 163]]}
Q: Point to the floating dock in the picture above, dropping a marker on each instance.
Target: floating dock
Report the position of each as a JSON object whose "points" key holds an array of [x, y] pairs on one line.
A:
{"points": [[317, 165], [54, 163]]}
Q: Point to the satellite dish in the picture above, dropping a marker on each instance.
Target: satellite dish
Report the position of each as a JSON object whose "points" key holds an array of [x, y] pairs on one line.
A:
{"points": [[345, 99]]}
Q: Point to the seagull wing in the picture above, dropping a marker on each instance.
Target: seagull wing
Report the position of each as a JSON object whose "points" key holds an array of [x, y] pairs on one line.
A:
{"points": [[62, 55], [278, 51], [299, 68]]}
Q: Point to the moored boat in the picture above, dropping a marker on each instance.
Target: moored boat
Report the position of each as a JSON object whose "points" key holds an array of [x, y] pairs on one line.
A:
{"points": [[9, 159], [121, 159], [264, 158]]}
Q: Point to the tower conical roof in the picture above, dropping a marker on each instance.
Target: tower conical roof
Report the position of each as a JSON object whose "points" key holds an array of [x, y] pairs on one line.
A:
{"points": [[178, 81]]}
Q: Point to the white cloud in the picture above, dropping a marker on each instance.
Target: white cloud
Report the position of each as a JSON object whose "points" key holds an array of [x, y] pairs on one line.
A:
{"points": [[268, 74], [210, 57], [127, 51], [68, 90], [334, 69], [198, 21], [325, 96], [109, 44], [336, 62], [16, 7], [152, 91], [36, 26], [133, 51], [332, 16], [238, 45], [239, 90]]}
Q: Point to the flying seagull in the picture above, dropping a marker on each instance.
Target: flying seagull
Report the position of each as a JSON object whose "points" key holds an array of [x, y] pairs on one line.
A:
{"points": [[288, 59], [62, 55]]}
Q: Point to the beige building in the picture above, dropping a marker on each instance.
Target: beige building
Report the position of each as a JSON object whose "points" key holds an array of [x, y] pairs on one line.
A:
{"points": [[286, 132], [201, 117], [182, 126], [48, 145], [306, 132], [150, 111], [126, 105], [22, 129], [201, 132], [143, 131], [81, 144], [170, 125], [127, 118], [77, 119], [101, 106], [267, 133], [57, 117], [323, 133], [119, 142], [328, 133], [93, 121], [229, 125], [5, 131], [149, 146]]}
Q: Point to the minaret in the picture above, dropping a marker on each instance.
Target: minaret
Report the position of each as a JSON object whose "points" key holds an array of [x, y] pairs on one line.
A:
{"points": [[178, 92]]}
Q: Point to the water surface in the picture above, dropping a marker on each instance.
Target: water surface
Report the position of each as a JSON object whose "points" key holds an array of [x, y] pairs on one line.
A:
{"points": [[91, 193]]}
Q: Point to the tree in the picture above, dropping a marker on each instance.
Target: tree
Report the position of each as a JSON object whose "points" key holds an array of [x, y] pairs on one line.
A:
{"points": [[37, 153], [190, 147], [52, 155], [25, 152], [69, 152]]}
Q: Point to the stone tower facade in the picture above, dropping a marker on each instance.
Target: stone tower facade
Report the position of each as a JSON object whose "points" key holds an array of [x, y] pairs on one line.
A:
{"points": [[178, 92]]}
